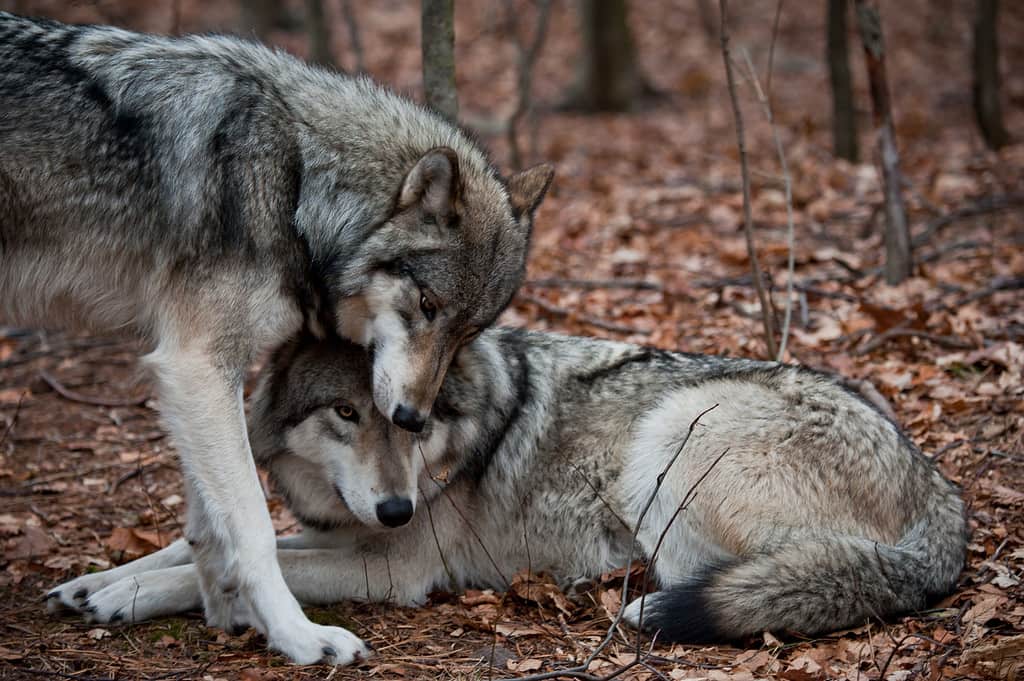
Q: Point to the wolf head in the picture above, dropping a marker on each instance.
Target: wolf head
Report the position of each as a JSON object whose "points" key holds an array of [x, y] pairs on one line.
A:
{"points": [[439, 270], [336, 459]]}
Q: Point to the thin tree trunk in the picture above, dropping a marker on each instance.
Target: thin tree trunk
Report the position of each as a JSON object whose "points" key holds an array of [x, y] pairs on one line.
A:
{"points": [[261, 17], [987, 109], [438, 42], [844, 121], [319, 34], [608, 78], [353, 35], [898, 258], [767, 314]]}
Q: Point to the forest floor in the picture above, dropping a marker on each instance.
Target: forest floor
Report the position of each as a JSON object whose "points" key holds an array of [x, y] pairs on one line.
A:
{"points": [[639, 240]]}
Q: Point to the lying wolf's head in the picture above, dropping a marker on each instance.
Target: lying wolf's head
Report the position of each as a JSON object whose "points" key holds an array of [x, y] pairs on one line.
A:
{"points": [[335, 458], [434, 274]]}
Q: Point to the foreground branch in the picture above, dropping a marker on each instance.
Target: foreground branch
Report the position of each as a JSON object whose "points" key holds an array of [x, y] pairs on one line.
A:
{"points": [[748, 219]]}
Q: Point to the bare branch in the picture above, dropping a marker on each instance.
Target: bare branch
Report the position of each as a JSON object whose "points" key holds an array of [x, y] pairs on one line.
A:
{"points": [[73, 396], [580, 671], [545, 306], [748, 219], [353, 35], [527, 57], [766, 104]]}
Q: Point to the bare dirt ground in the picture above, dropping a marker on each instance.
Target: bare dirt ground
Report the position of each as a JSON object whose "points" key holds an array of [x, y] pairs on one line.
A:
{"points": [[648, 204]]}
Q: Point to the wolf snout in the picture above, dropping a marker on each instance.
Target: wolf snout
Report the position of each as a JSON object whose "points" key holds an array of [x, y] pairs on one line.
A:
{"points": [[408, 418], [394, 512]]}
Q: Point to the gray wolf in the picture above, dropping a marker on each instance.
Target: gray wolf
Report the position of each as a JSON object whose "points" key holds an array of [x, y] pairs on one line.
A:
{"points": [[213, 198], [542, 451]]}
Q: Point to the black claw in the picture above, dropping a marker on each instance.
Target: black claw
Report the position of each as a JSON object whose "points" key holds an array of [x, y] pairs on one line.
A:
{"points": [[117, 616], [52, 594], [81, 593], [369, 646], [89, 608], [239, 629], [329, 652]]}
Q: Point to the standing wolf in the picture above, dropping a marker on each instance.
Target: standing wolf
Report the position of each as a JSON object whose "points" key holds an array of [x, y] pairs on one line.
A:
{"points": [[811, 511], [214, 197]]}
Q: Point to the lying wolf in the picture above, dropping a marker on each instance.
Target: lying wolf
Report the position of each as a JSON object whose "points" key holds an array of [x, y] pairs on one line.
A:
{"points": [[810, 510], [214, 198]]}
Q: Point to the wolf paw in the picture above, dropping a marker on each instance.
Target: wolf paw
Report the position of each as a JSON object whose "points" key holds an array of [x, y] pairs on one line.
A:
{"points": [[317, 644], [73, 595]]}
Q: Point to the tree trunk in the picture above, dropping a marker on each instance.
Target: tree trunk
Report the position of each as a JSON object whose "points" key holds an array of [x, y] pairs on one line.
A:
{"points": [[986, 74], [262, 16], [438, 42], [898, 259], [844, 121], [608, 78], [319, 34]]}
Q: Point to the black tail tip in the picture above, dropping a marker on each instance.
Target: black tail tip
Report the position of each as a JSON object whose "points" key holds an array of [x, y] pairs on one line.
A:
{"points": [[682, 614]]}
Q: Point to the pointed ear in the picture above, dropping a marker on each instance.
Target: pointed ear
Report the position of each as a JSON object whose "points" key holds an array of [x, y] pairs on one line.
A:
{"points": [[526, 189], [433, 183]]}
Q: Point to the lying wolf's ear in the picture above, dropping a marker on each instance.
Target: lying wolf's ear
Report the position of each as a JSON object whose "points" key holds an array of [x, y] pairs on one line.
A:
{"points": [[527, 189], [433, 183]]}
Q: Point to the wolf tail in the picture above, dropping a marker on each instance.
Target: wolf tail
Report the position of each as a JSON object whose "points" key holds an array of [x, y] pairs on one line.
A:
{"points": [[816, 584]]}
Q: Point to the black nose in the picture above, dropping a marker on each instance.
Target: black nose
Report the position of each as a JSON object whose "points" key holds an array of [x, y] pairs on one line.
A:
{"points": [[407, 418], [394, 512]]}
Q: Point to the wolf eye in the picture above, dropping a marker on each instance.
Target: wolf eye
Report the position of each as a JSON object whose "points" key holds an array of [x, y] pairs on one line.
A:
{"points": [[346, 412], [428, 308]]}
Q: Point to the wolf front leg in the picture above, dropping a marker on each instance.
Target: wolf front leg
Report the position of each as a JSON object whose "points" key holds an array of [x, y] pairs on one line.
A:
{"points": [[229, 528]]}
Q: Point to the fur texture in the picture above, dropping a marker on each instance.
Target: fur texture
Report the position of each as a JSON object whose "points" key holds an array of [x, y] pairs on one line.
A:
{"points": [[543, 450], [214, 198]]}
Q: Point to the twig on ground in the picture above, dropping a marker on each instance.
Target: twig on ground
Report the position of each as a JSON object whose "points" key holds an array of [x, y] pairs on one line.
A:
{"points": [[952, 342], [591, 284], [14, 418], [73, 396], [766, 104], [748, 218], [984, 206], [580, 671], [552, 309]]}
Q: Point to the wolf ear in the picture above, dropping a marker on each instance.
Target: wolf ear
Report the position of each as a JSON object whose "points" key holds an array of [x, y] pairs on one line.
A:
{"points": [[433, 183], [527, 189]]}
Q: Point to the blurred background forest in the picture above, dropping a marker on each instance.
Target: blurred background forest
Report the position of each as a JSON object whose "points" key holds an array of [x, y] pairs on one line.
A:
{"points": [[643, 238]]}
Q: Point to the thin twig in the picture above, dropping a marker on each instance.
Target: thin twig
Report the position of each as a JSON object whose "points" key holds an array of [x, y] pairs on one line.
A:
{"points": [[591, 284], [984, 206], [14, 418], [353, 35], [766, 104], [545, 306], [469, 525], [527, 59], [771, 51], [73, 396], [881, 339], [748, 218], [683, 505], [580, 671]]}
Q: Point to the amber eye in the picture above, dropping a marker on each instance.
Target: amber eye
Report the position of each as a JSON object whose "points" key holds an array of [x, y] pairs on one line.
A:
{"points": [[346, 412], [428, 308]]}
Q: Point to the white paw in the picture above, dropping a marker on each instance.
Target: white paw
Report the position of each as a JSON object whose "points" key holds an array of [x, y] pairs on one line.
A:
{"points": [[313, 643], [631, 613], [141, 597], [72, 595]]}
